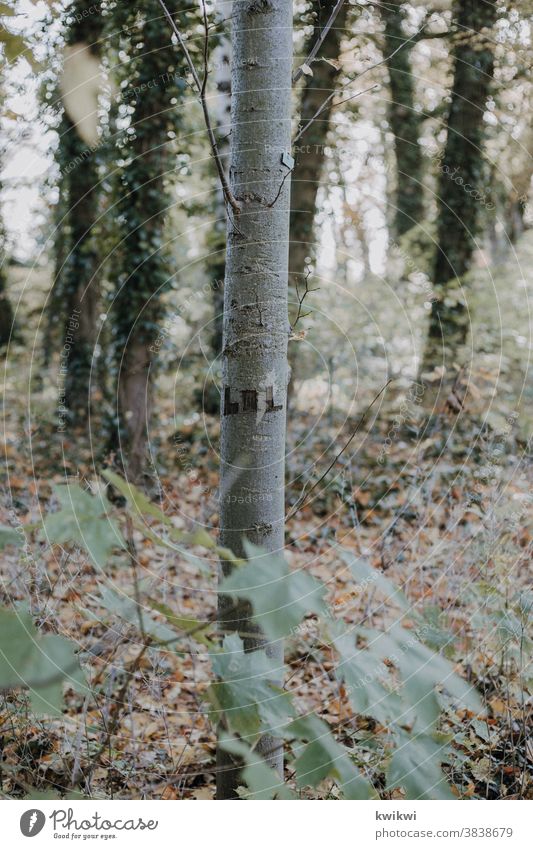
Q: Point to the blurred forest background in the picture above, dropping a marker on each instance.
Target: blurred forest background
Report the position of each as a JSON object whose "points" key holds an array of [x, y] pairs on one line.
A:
{"points": [[410, 411]]}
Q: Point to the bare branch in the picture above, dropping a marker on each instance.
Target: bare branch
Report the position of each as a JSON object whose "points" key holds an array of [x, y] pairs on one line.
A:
{"points": [[301, 298], [319, 42], [324, 105], [302, 501], [330, 97], [201, 89]]}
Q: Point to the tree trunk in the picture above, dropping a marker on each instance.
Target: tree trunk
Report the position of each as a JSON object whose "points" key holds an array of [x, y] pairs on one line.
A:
{"points": [[461, 187], [154, 76], [404, 121], [6, 313], [6, 310], [310, 152], [82, 284], [256, 329], [73, 305]]}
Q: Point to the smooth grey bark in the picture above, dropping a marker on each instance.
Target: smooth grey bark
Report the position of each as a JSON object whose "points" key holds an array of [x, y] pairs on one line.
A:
{"points": [[256, 326]]}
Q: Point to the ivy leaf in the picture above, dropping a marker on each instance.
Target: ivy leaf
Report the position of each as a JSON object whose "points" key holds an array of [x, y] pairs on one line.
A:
{"points": [[280, 599], [251, 702], [41, 663], [323, 757], [416, 766], [83, 519]]}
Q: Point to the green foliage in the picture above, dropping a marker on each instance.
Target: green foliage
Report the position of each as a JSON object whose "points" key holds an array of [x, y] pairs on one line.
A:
{"points": [[323, 757], [252, 705], [416, 766], [393, 676], [83, 519], [9, 536], [262, 782], [152, 86], [42, 664], [280, 599]]}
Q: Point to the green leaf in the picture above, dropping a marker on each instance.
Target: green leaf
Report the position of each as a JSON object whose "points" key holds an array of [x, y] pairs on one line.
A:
{"points": [[83, 519], [135, 498], [128, 610], [323, 757], [262, 781], [280, 599], [367, 576], [182, 624], [416, 766], [246, 693], [40, 663], [422, 668], [9, 536], [365, 676]]}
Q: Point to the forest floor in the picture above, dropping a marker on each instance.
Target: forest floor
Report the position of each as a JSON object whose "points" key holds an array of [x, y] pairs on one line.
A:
{"points": [[442, 507]]}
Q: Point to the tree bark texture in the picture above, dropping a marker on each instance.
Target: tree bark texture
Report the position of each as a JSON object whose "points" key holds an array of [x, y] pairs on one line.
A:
{"points": [[310, 149], [144, 264], [310, 155], [6, 310], [461, 180], [405, 122], [73, 306], [256, 328]]}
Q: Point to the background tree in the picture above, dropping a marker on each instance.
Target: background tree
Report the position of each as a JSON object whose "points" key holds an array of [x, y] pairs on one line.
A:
{"points": [[150, 81], [221, 67], [252, 485], [310, 153], [6, 310], [73, 306], [461, 178], [404, 120]]}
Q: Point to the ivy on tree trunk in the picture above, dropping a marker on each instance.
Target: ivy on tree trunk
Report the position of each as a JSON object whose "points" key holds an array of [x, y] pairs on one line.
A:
{"points": [[461, 180], [404, 120]]}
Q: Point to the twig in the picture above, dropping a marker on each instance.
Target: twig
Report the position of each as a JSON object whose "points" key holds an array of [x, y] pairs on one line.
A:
{"points": [[319, 42], [302, 501], [288, 174], [321, 108], [113, 723], [302, 298], [330, 97], [201, 87]]}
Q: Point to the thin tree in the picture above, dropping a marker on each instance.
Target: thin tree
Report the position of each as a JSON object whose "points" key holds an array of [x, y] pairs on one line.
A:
{"points": [[460, 185], [6, 310], [310, 151], [252, 487], [404, 121]]}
